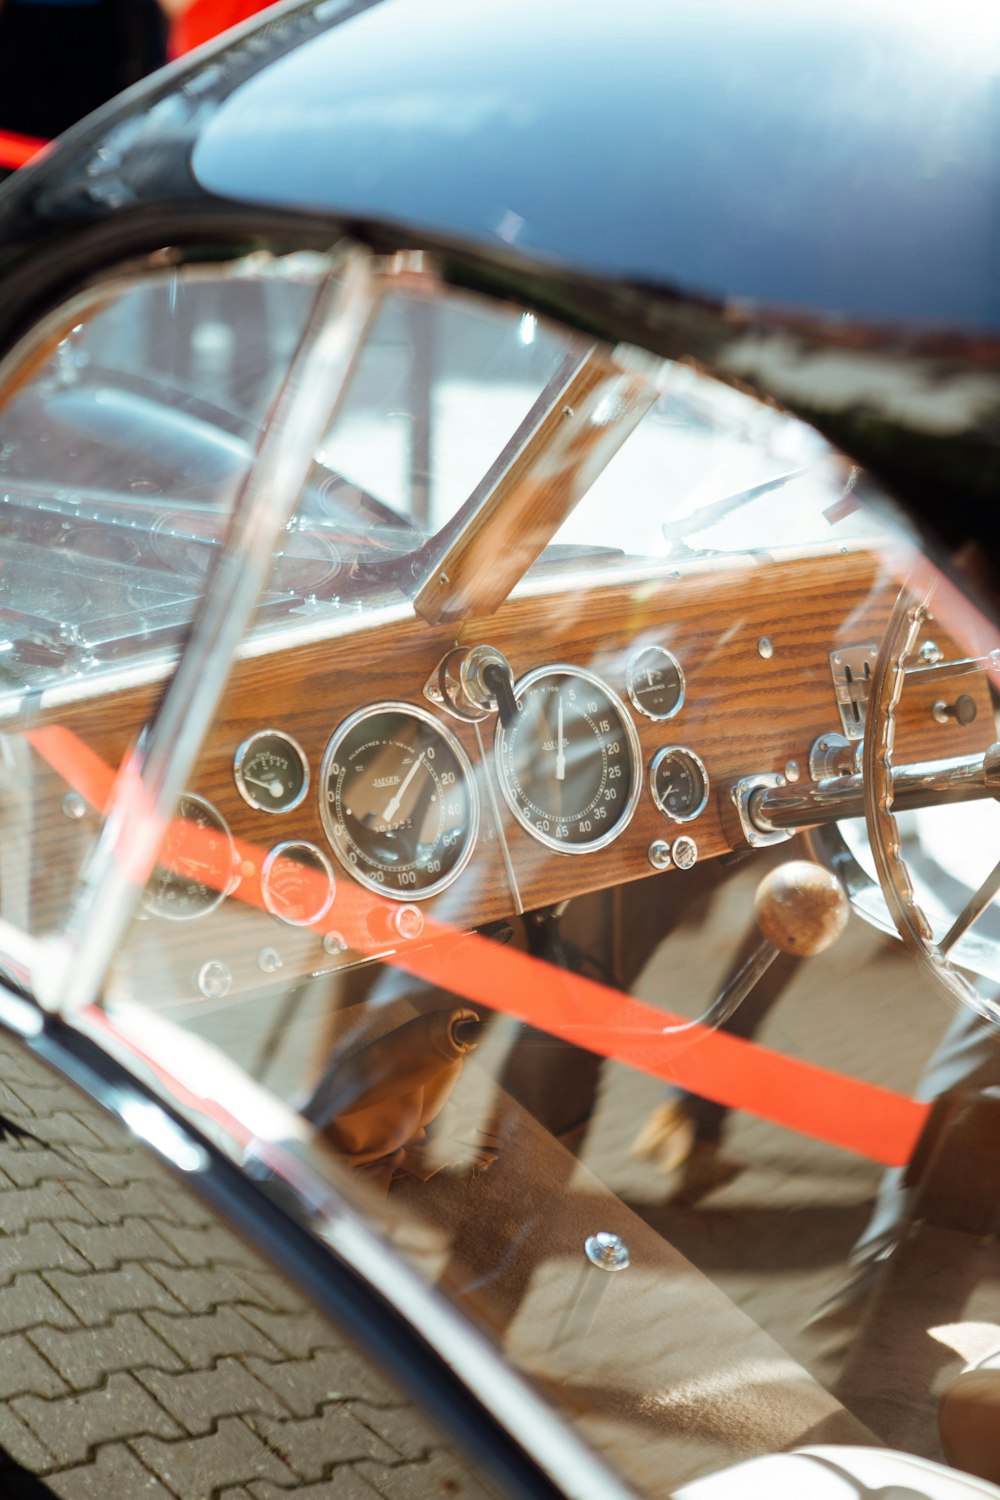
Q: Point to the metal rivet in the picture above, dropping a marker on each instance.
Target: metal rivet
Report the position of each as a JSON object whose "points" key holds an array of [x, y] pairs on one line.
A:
{"points": [[567, 411], [73, 806], [269, 960], [685, 852], [658, 854], [765, 647], [792, 772], [443, 578], [607, 1251], [214, 980]]}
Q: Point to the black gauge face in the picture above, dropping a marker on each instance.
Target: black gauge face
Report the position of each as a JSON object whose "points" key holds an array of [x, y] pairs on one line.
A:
{"points": [[197, 863], [656, 682], [398, 801], [297, 883], [679, 783], [568, 765], [271, 771]]}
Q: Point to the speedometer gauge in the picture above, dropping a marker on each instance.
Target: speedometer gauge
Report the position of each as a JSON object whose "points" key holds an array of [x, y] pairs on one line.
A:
{"points": [[569, 763], [398, 801]]}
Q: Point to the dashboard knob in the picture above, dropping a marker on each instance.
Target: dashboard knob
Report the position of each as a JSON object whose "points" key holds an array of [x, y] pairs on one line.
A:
{"points": [[801, 908], [963, 710]]}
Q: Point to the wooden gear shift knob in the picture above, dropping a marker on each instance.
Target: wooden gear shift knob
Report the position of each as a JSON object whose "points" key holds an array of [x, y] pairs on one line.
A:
{"points": [[801, 908]]}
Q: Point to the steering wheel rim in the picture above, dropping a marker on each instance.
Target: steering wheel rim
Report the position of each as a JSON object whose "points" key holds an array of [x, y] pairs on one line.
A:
{"points": [[909, 614]]}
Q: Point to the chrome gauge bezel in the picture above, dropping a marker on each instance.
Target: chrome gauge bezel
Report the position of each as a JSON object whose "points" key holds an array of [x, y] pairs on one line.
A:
{"points": [[523, 685], [414, 711], [630, 673], [222, 827], [265, 876], [239, 761], [699, 764]]}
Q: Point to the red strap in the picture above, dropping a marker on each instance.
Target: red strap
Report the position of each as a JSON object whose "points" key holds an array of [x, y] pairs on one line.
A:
{"points": [[856, 1116], [17, 149]]}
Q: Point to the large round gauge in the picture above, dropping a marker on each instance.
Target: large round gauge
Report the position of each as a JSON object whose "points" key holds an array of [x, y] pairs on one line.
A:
{"points": [[655, 682], [197, 863], [569, 763], [398, 801], [271, 771], [679, 783], [297, 883]]}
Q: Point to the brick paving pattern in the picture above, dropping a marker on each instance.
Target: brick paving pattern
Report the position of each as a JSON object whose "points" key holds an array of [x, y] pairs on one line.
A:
{"points": [[145, 1351]]}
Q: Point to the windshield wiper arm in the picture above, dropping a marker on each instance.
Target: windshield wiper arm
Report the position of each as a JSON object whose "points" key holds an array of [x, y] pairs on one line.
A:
{"points": [[707, 515]]}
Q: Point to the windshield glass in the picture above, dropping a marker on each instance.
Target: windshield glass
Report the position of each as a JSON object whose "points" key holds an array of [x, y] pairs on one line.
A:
{"points": [[463, 906]]}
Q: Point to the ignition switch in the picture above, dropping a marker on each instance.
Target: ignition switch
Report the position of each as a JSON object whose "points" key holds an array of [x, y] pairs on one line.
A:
{"points": [[473, 682]]}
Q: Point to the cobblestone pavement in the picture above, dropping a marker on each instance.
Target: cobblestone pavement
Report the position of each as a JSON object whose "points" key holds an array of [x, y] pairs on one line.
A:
{"points": [[145, 1351]]}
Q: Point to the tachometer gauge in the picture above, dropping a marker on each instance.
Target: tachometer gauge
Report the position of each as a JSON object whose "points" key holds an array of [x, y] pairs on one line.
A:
{"points": [[271, 771], [398, 801], [197, 863], [297, 883], [655, 682], [569, 763], [679, 783]]}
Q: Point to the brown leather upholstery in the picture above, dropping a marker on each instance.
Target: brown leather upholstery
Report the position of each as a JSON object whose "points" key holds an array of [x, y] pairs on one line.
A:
{"points": [[969, 1422], [396, 1085]]}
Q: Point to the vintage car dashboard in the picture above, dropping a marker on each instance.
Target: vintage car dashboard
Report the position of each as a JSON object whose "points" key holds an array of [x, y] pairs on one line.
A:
{"points": [[328, 822]]}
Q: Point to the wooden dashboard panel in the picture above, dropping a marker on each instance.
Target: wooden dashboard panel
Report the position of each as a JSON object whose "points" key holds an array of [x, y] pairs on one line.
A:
{"points": [[748, 708]]}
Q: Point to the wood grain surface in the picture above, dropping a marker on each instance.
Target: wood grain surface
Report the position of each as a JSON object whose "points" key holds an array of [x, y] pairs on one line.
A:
{"points": [[743, 713]]}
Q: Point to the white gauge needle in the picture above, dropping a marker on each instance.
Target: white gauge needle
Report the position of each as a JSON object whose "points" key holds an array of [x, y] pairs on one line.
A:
{"points": [[393, 806], [560, 755], [275, 788]]}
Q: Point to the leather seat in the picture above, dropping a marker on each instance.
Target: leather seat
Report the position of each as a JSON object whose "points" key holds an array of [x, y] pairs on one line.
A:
{"points": [[969, 1419]]}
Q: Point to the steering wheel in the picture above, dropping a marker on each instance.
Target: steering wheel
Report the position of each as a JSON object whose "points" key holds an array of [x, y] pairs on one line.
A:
{"points": [[909, 615]]}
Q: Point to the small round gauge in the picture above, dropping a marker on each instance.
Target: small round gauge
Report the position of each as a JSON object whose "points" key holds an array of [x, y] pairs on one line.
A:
{"points": [[398, 801], [271, 771], [679, 783], [569, 763], [297, 883], [197, 863], [655, 682]]}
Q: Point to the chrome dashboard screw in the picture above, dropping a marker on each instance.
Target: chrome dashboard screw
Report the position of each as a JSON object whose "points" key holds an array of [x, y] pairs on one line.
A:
{"points": [[765, 647], [334, 943], [604, 1251], [607, 1251], [792, 772], [73, 806]]}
